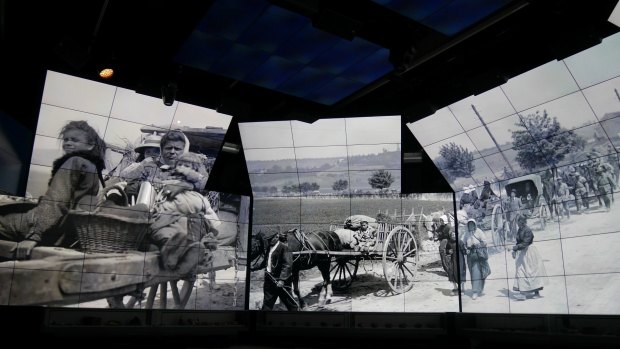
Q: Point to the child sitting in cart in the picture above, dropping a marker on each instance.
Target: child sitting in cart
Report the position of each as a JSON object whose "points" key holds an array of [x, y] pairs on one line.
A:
{"points": [[365, 238], [188, 201], [75, 183]]}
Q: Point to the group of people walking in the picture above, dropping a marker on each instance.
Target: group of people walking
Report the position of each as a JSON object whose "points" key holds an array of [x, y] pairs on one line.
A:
{"points": [[470, 252]]}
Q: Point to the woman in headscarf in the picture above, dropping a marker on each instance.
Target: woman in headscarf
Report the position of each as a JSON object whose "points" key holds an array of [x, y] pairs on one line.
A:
{"points": [[530, 269], [449, 252], [177, 230], [455, 253], [158, 170], [477, 257]]}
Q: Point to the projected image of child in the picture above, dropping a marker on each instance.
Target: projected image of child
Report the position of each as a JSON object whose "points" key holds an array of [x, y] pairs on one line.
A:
{"points": [[364, 239], [181, 212], [187, 201], [75, 184]]}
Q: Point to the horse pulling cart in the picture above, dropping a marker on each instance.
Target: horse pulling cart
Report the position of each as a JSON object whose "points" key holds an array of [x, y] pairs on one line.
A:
{"points": [[395, 246]]}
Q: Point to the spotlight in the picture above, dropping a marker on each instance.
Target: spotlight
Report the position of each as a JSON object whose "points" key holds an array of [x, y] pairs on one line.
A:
{"points": [[169, 93], [106, 73]]}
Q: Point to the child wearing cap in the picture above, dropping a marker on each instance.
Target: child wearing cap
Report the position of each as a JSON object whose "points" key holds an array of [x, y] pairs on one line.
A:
{"points": [[364, 239], [187, 201], [148, 148]]}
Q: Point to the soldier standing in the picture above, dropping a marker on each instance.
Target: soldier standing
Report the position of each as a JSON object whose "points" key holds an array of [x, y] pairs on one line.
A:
{"points": [[603, 186], [512, 207], [580, 190]]}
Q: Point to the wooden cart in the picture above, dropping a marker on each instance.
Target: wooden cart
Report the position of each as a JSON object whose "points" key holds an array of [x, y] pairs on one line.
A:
{"points": [[395, 247], [60, 276]]}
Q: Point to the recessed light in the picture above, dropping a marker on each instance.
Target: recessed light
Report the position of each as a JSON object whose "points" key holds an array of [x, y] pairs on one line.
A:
{"points": [[106, 73]]}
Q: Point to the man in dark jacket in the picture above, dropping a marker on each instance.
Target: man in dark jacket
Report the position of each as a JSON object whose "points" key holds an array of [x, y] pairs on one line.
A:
{"points": [[277, 282]]}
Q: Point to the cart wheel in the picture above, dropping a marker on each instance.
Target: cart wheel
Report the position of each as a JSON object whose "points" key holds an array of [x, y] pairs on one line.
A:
{"points": [[181, 291], [400, 259], [497, 223], [543, 214], [343, 271], [124, 302]]}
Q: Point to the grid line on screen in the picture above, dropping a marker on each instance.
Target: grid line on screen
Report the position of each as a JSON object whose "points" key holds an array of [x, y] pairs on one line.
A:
{"points": [[84, 263]]}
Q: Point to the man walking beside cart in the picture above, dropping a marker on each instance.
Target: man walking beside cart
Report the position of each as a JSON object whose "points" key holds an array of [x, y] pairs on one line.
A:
{"points": [[277, 282]]}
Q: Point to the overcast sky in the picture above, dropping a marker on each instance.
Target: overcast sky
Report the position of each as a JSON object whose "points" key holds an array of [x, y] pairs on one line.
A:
{"points": [[325, 132], [554, 87], [326, 138]]}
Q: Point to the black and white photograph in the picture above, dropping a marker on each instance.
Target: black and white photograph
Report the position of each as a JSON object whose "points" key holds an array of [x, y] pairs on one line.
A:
{"points": [[117, 212], [331, 157], [331, 231], [383, 253], [536, 187]]}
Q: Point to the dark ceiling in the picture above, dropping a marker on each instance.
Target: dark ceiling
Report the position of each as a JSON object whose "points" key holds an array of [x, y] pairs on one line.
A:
{"points": [[142, 39]]}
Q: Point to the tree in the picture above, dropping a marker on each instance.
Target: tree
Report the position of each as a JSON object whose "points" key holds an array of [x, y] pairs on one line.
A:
{"points": [[290, 188], [541, 141], [305, 187], [275, 169], [341, 184], [380, 179], [457, 160]]}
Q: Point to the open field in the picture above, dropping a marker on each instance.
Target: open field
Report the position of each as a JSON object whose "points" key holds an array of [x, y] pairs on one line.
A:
{"points": [[318, 213]]}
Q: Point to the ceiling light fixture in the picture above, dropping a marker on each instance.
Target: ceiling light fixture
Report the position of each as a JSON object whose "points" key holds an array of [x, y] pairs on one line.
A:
{"points": [[169, 93], [106, 73]]}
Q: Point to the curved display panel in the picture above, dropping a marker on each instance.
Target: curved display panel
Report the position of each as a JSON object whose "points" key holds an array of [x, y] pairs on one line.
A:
{"points": [[543, 146], [117, 213]]}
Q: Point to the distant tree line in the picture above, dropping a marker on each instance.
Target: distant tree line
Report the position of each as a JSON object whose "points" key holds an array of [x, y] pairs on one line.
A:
{"points": [[301, 188]]}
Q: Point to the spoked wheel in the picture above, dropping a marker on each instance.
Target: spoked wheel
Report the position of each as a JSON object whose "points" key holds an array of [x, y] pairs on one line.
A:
{"points": [[126, 302], [497, 225], [544, 214], [400, 259], [342, 272], [181, 291]]}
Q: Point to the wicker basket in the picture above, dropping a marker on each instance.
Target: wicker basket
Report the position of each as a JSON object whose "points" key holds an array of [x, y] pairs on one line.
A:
{"points": [[105, 232]]}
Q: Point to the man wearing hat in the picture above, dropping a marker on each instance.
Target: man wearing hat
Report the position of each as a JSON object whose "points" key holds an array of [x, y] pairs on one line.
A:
{"points": [[278, 273], [148, 148], [609, 170], [580, 189], [561, 194], [466, 198], [486, 194], [612, 159], [604, 186], [512, 207]]}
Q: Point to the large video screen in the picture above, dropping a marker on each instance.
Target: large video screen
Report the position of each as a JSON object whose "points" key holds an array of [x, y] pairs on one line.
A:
{"points": [[534, 163], [330, 192], [117, 211]]}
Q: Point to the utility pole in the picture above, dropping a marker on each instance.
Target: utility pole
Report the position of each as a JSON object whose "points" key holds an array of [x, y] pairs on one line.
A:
{"points": [[493, 138]]}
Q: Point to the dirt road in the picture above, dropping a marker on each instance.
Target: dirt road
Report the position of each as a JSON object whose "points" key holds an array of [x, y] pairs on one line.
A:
{"points": [[580, 256], [370, 292]]}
